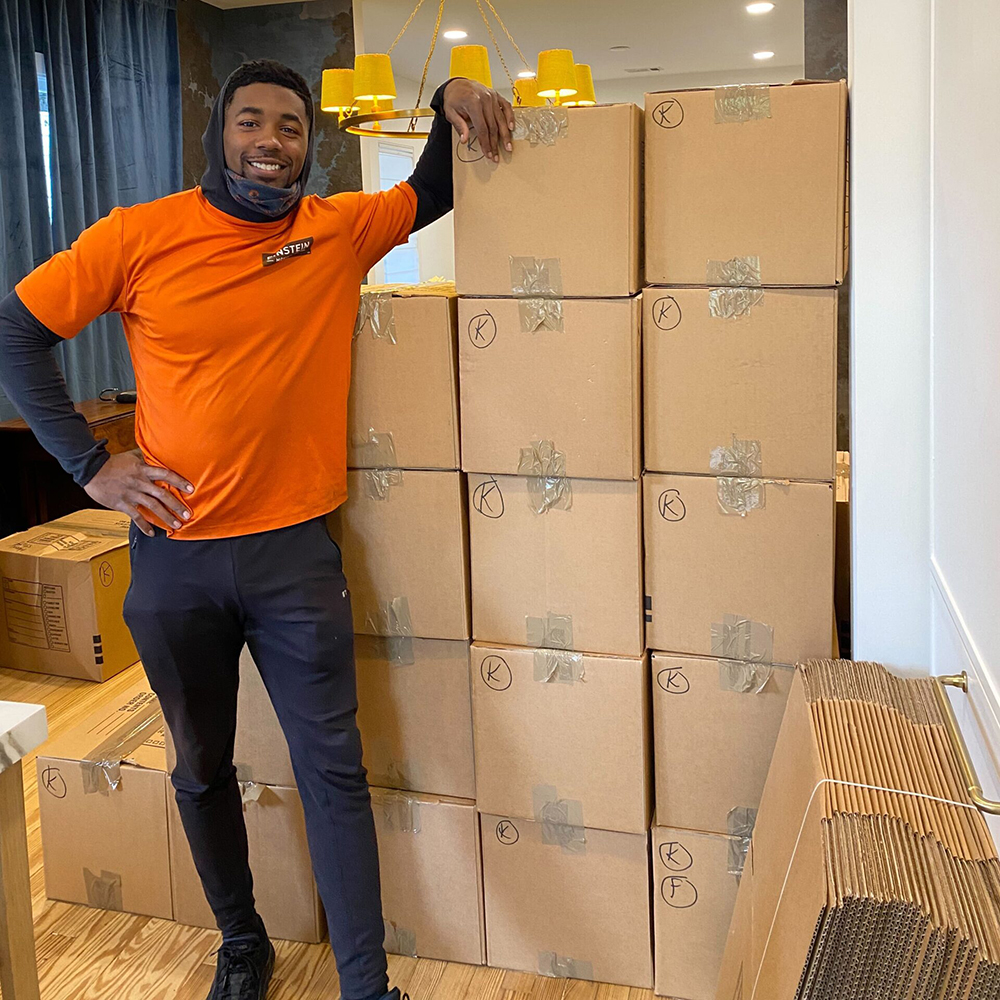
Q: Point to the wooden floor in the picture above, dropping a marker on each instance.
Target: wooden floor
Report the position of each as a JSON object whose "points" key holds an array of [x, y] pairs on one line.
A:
{"points": [[86, 954]]}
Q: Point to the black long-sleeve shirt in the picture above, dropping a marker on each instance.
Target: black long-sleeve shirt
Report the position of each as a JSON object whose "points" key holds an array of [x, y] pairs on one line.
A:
{"points": [[33, 382]]}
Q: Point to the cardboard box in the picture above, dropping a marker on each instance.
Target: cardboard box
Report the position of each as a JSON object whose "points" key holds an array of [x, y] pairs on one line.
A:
{"points": [[734, 967], [542, 243], [753, 586], [403, 405], [562, 735], [404, 537], [63, 584], [566, 901], [283, 884], [102, 795], [431, 870], [564, 578], [758, 365], [747, 185], [715, 723], [695, 880], [563, 372], [415, 714]]}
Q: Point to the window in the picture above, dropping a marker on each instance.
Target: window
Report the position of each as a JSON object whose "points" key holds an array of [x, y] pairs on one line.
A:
{"points": [[395, 164], [43, 114]]}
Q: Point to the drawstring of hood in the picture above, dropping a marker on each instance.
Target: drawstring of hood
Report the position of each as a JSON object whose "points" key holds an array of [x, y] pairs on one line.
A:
{"points": [[239, 196]]}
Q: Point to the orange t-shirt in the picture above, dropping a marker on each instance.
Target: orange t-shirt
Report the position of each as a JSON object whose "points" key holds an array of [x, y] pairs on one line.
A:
{"points": [[242, 360]]}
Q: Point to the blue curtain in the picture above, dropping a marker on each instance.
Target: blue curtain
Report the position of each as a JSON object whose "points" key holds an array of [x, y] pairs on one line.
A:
{"points": [[114, 107]]}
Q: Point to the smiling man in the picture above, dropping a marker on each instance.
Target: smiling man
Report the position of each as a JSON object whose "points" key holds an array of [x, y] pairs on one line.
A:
{"points": [[238, 300]]}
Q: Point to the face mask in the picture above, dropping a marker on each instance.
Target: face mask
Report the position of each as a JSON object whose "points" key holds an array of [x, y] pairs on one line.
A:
{"points": [[270, 201]]}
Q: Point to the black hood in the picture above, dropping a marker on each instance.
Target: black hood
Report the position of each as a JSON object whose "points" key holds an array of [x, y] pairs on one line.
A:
{"points": [[213, 180]]}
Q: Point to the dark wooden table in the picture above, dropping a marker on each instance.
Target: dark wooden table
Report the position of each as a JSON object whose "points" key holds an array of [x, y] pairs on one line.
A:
{"points": [[35, 488]]}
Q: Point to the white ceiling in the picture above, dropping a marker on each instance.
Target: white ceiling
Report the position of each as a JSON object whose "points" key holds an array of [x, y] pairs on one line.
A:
{"points": [[682, 38]]}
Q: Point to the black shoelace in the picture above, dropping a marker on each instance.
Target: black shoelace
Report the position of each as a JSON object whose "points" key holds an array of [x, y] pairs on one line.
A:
{"points": [[240, 975]]}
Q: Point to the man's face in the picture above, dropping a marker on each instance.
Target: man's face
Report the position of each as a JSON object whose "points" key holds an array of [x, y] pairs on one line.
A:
{"points": [[266, 134]]}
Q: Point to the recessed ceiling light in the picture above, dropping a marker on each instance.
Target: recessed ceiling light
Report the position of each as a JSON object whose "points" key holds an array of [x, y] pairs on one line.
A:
{"points": [[456, 34], [527, 74], [620, 48], [760, 8], [763, 55]]}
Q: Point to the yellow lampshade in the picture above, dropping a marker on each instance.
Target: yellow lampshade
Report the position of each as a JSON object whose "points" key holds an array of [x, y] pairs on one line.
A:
{"points": [[556, 73], [338, 90], [527, 90], [584, 87], [373, 80], [472, 62]]}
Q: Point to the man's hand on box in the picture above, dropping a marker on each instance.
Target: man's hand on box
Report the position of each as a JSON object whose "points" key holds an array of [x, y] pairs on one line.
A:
{"points": [[471, 107]]}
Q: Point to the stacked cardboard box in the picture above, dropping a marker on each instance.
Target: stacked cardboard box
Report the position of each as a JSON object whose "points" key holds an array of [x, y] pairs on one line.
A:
{"points": [[745, 243], [404, 536], [549, 363], [872, 872], [62, 586]]}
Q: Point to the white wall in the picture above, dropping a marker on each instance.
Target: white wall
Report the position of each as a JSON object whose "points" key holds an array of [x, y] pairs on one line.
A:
{"points": [[925, 215], [965, 351], [621, 90], [890, 341]]}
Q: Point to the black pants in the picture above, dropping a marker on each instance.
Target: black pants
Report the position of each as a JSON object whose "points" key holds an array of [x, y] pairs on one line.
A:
{"points": [[190, 608]]}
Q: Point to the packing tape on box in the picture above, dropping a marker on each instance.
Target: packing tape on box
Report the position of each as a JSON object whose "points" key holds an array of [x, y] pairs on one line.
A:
{"points": [[551, 632], [740, 488], [545, 468], [102, 767], [400, 940], [104, 891], [738, 272], [739, 823], [397, 650], [560, 967], [391, 623], [397, 774], [742, 102], [250, 791], [375, 311], [543, 126], [559, 666], [561, 820], [540, 314], [537, 277], [378, 453], [734, 303], [401, 812], [741, 640]]}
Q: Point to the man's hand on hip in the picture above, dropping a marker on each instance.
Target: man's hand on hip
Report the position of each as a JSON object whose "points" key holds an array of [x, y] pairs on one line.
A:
{"points": [[471, 107], [125, 483]]}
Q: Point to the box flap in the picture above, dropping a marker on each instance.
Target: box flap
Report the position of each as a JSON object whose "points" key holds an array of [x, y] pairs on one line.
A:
{"points": [[78, 537]]}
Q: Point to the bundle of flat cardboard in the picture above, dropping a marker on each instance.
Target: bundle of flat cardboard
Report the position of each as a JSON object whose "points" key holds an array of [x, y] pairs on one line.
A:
{"points": [[871, 871]]}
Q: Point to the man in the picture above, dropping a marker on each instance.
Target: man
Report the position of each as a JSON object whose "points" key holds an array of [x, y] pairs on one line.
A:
{"points": [[238, 301]]}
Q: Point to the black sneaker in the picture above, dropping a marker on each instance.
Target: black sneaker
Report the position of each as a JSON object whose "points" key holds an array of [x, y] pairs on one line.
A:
{"points": [[243, 971]]}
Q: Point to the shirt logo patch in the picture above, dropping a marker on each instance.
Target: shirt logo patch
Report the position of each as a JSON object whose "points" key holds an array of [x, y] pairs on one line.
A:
{"points": [[296, 249]]}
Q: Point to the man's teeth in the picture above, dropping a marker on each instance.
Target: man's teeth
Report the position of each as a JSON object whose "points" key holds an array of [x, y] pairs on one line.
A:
{"points": [[272, 167]]}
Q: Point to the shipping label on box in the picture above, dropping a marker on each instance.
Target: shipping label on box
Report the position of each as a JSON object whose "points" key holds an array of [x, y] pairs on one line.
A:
{"points": [[283, 884], [403, 404], [735, 709], [562, 736], [404, 539], [569, 577], [431, 871], [63, 585], [103, 790], [566, 901], [695, 881], [739, 568], [734, 364], [566, 372], [542, 244], [746, 185], [415, 714]]}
